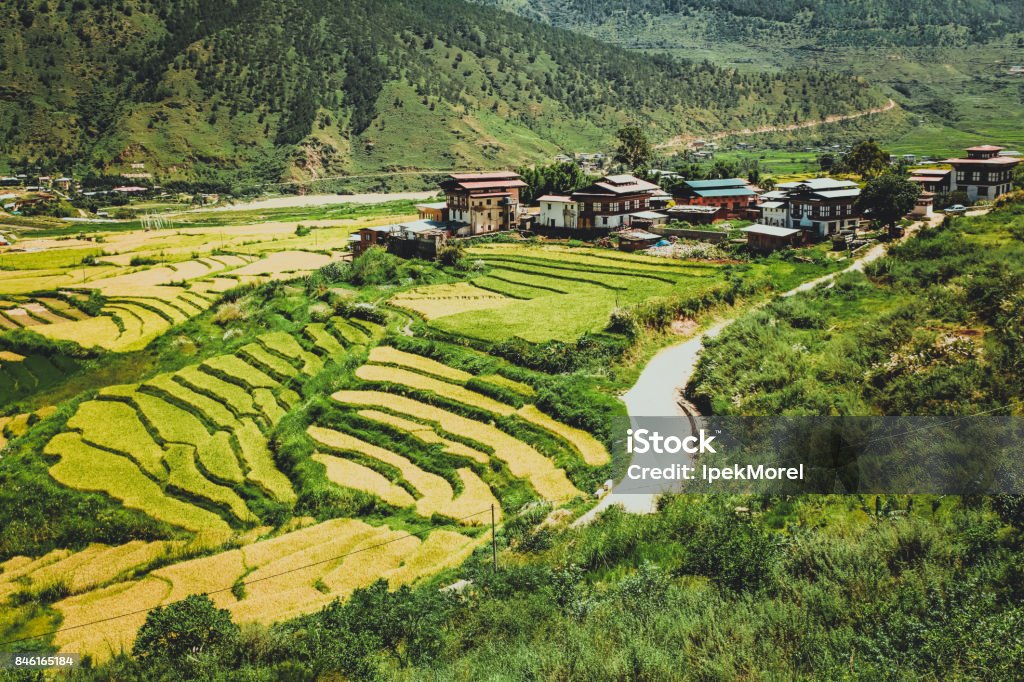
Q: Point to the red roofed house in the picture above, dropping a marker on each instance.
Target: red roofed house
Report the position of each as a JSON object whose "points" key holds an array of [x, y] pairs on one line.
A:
{"points": [[611, 200], [984, 174], [483, 202]]}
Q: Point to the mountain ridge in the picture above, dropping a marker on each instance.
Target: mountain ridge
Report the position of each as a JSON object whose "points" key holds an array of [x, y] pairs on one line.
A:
{"points": [[183, 90]]}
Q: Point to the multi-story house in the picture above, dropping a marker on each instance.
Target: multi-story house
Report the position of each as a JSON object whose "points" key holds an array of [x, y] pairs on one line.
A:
{"points": [[482, 202], [984, 174], [822, 206], [610, 201]]}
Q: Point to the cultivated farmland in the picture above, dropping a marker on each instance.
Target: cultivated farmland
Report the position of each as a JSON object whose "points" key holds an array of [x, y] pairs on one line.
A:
{"points": [[543, 293]]}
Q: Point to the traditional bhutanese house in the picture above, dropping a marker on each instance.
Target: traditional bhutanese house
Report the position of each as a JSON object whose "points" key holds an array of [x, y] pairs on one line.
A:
{"points": [[731, 194], [366, 237], [418, 239], [984, 174], [764, 238], [823, 206], [695, 215], [610, 200], [647, 219], [483, 202], [935, 180], [637, 240], [774, 212], [437, 211], [64, 183], [558, 211]]}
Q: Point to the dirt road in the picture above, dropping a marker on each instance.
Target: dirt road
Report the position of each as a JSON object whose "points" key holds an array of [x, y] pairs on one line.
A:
{"points": [[683, 140]]}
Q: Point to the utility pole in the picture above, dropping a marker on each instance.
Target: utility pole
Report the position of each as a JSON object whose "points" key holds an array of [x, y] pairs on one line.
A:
{"points": [[494, 545]]}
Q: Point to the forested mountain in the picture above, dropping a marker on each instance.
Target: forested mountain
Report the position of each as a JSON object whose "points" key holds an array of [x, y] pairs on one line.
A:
{"points": [[820, 22], [253, 90]]}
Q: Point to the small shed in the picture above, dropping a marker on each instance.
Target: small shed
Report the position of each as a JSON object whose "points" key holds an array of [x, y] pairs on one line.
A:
{"points": [[647, 219], [766, 238], [636, 240], [695, 215]]}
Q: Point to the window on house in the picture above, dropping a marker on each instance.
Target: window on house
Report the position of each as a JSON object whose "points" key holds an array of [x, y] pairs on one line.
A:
{"points": [[615, 207], [604, 220]]}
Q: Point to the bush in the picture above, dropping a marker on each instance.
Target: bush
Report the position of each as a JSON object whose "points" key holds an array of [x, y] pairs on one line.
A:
{"points": [[184, 633]]}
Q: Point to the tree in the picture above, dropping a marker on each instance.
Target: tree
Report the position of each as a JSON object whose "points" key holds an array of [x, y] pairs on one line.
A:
{"points": [[179, 634], [558, 178], [826, 162], [866, 159], [888, 198], [634, 148]]}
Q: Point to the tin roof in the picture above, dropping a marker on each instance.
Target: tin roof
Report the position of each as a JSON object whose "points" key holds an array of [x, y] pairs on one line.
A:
{"points": [[770, 230]]}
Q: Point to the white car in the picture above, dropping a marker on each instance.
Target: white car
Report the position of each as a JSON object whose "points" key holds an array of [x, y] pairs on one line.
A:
{"points": [[956, 209]]}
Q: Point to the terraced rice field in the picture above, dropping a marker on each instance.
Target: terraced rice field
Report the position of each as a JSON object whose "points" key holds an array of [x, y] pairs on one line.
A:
{"points": [[427, 425], [435, 494], [544, 293], [188, 447], [274, 589]]}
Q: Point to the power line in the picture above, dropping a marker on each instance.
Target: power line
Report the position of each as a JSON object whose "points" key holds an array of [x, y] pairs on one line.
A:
{"points": [[227, 589]]}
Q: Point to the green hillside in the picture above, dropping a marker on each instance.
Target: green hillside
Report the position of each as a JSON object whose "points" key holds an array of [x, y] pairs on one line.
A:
{"points": [[258, 91], [856, 23]]}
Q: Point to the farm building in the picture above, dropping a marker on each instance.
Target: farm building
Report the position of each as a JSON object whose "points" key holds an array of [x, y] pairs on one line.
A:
{"points": [[636, 240], [483, 202], [764, 238], [984, 174], [609, 201], [647, 219], [731, 194], [695, 215]]}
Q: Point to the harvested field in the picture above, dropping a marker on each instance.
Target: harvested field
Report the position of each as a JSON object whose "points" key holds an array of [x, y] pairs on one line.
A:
{"points": [[284, 262]]}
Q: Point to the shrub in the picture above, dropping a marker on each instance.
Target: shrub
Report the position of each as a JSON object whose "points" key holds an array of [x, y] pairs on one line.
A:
{"points": [[185, 632]]}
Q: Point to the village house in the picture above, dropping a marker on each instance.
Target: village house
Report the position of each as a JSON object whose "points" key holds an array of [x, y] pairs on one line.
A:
{"points": [[610, 201], [415, 239], [482, 202], [732, 195], [935, 180], [984, 174], [823, 206], [558, 211]]}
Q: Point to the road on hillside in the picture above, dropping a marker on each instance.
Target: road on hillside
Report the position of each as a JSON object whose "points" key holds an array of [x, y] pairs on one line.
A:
{"points": [[682, 140], [658, 392]]}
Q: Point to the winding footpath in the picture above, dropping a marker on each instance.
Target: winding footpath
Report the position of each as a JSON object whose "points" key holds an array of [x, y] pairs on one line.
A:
{"points": [[658, 392]]}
